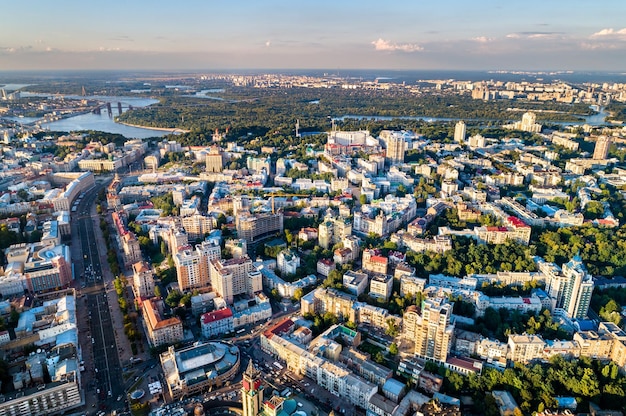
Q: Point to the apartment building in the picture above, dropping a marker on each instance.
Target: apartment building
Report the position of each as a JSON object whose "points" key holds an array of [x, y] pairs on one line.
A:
{"points": [[143, 280], [160, 330], [233, 277]]}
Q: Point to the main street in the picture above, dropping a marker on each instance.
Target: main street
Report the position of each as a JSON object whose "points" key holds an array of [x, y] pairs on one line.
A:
{"points": [[103, 378]]}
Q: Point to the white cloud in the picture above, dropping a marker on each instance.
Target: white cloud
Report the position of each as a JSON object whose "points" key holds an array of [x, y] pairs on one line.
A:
{"points": [[535, 35], [482, 39], [610, 33], [385, 45], [268, 43]]}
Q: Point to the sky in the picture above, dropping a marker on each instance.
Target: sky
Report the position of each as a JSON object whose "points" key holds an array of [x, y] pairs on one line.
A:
{"points": [[320, 34]]}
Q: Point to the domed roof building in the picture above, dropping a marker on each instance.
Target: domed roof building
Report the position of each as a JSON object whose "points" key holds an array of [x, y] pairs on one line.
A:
{"points": [[196, 368]]}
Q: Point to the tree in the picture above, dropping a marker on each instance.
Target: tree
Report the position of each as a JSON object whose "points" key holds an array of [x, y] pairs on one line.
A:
{"points": [[297, 294], [157, 291], [594, 209], [392, 328], [363, 199], [173, 299], [393, 349]]}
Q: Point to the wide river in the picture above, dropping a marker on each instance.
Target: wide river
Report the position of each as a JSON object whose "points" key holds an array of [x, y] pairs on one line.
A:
{"points": [[104, 121]]}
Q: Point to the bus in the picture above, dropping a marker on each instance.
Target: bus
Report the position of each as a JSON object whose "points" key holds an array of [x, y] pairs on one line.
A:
{"points": [[239, 331], [278, 365]]}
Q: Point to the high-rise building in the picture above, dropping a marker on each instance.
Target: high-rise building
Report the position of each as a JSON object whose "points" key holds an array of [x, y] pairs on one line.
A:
{"points": [[395, 145], [192, 266], [579, 290], [601, 151], [432, 330], [251, 391], [254, 227], [234, 277], [459, 132], [570, 288]]}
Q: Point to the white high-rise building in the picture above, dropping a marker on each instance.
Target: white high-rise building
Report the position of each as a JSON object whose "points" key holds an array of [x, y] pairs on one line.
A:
{"points": [[579, 290], [570, 288], [459, 132]]}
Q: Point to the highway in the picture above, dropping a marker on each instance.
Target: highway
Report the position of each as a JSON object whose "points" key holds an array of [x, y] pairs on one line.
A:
{"points": [[106, 369]]}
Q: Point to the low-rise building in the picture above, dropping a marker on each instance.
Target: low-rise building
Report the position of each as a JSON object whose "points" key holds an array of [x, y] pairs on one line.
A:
{"points": [[217, 322], [355, 282], [381, 286], [525, 348], [193, 369]]}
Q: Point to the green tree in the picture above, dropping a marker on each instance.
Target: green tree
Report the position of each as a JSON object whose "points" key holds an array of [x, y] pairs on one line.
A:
{"points": [[393, 349]]}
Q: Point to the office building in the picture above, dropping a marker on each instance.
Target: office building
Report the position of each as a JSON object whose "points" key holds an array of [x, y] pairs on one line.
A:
{"points": [[252, 228], [233, 277]]}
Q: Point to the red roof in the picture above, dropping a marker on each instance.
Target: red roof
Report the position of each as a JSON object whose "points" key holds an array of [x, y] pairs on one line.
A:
{"points": [[516, 222], [379, 259], [280, 328], [218, 315], [326, 262]]}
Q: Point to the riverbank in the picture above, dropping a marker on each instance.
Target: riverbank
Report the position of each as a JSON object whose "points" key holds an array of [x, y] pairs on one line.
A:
{"points": [[175, 130]]}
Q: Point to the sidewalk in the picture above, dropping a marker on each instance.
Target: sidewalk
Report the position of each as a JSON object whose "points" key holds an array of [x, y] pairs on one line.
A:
{"points": [[123, 344]]}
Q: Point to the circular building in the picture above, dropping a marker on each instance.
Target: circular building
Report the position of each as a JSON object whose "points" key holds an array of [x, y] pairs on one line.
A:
{"points": [[193, 369], [137, 395]]}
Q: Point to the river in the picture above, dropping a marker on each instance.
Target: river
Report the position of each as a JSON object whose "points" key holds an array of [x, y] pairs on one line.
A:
{"points": [[592, 120], [104, 121]]}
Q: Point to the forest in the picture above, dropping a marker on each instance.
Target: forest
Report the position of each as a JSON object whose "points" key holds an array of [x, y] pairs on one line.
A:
{"points": [[241, 109], [469, 257]]}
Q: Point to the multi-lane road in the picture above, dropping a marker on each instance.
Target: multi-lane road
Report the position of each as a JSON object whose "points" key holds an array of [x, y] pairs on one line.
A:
{"points": [[105, 369]]}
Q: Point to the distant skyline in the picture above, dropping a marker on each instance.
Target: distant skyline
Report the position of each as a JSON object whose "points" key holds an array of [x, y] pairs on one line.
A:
{"points": [[275, 34]]}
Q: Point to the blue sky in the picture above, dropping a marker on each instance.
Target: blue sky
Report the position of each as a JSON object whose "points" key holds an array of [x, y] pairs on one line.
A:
{"points": [[211, 34]]}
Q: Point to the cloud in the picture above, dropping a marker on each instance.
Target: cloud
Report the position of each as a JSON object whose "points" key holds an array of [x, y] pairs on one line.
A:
{"points": [[385, 45], [534, 35], [122, 38], [15, 49], [268, 43], [610, 33], [482, 39]]}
